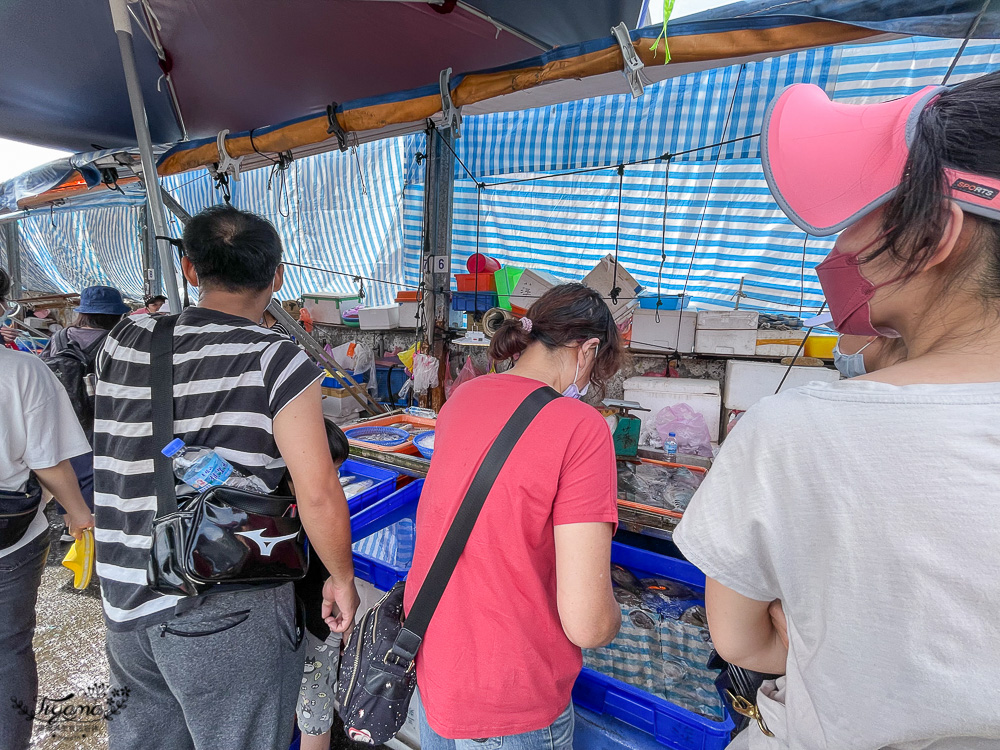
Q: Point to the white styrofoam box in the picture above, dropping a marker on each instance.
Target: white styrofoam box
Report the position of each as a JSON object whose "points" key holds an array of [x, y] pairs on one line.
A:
{"points": [[603, 278], [325, 308], [774, 345], [728, 320], [736, 343], [749, 382], [532, 285], [340, 408], [702, 395], [409, 314], [379, 318], [650, 336]]}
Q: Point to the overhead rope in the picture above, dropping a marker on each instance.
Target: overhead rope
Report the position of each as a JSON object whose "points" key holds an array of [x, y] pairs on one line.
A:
{"points": [[708, 197], [965, 42], [663, 244], [615, 291]]}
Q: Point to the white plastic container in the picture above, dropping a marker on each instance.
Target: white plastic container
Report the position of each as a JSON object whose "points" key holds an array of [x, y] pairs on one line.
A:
{"points": [[650, 336], [325, 308], [749, 382], [603, 279], [380, 318], [770, 343], [532, 285], [702, 395], [735, 343], [728, 320], [409, 314]]}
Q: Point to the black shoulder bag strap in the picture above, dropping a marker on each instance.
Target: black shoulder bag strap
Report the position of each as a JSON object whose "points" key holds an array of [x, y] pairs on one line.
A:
{"points": [[161, 381], [410, 637]]}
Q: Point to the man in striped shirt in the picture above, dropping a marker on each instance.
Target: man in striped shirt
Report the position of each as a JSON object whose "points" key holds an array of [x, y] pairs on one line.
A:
{"points": [[220, 670]]}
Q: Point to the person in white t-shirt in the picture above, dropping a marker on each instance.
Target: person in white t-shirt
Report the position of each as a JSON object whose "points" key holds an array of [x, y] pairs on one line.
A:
{"points": [[850, 531], [39, 434]]}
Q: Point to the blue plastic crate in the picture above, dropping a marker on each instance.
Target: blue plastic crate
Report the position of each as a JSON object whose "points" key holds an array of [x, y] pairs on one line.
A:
{"points": [[390, 380], [670, 302], [671, 725], [385, 483], [474, 301], [368, 526], [361, 377]]}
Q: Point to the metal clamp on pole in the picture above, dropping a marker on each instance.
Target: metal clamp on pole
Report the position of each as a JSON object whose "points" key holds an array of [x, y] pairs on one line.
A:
{"points": [[227, 164], [452, 114], [633, 65], [334, 127]]}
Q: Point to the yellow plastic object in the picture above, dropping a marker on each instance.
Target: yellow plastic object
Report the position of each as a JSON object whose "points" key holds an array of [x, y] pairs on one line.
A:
{"points": [[80, 559], [820, 346], [407, 357]]}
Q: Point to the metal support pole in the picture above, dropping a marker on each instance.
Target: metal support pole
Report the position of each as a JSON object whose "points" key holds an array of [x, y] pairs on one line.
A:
{"points": [[439, 191], [123, 29], [14, 259]]}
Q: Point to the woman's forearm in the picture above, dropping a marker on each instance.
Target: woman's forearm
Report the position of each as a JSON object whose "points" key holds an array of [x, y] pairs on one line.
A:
{"points": [[743, 631]]}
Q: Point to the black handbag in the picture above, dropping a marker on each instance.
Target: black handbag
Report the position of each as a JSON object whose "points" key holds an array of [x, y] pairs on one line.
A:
{"points": [[377, 675], [223, 538], [740, 687], [17, 511]]}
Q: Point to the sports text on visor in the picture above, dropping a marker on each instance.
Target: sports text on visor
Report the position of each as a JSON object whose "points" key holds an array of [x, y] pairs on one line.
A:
{"points": [[980, 191]]}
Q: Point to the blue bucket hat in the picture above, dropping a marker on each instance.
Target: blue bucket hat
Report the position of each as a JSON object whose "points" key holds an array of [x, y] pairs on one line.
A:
{"points": [[102, 300]]}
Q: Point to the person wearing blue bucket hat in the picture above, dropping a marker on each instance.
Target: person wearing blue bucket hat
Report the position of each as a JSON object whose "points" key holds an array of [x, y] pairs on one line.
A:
{"points": [[102, 300], [71, 354]]}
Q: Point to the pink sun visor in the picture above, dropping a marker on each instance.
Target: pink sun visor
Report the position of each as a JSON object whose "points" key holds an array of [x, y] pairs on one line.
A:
{"points": [[829, 164]]}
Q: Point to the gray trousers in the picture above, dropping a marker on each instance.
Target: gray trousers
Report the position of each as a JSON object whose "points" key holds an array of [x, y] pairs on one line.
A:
{"points": [[223, 674], [20, 576]]}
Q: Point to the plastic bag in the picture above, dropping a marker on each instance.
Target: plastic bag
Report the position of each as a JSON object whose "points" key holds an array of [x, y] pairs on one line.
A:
{"points": [[688, 426], [467, 373], [425, 372], [357, 359]]}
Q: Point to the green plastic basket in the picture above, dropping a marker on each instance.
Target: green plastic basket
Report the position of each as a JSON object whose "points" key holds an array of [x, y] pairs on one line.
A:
{"points": [[506, 279]]}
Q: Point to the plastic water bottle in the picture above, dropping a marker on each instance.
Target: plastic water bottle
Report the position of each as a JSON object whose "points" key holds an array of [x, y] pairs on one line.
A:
{"points": [[405, 538], [201, 468], [670, 446]]}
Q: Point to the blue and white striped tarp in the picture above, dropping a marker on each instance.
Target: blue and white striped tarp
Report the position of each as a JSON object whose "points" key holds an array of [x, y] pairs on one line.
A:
{"points": [[720, 224], [336, 211], [362, 214]]}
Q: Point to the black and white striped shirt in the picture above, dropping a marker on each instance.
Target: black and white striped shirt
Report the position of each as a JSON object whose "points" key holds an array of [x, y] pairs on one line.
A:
{"points": [[231, 378]]}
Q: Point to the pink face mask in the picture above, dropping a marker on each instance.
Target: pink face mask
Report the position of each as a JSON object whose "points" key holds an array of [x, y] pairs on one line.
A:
{"points": [[849, 293]]}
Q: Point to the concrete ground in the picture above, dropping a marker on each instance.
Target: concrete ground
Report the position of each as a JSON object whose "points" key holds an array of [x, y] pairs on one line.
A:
{"points": [[69, 647]]}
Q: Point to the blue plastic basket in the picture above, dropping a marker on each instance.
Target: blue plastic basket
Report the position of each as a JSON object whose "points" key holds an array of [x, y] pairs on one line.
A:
{"points": [[670, 301], [371, 521], [419, 441], [671, 725], [474, 301], [359, 378], [386, 437], [385, 483]]}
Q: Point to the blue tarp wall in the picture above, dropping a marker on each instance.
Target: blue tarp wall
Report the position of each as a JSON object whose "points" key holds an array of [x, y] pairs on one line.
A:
{"points": [[361, 212]]}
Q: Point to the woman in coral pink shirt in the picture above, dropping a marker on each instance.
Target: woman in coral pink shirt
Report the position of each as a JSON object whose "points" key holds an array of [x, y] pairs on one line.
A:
{"points": [[533, 586]]}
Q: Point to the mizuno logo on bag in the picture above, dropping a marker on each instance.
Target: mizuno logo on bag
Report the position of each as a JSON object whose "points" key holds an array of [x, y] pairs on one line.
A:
{"points": [[266, 544]]}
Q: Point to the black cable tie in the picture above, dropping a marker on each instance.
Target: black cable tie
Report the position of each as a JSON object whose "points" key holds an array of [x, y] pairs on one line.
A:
{"points": [[614, 295], [621, 170], [420, 156]]}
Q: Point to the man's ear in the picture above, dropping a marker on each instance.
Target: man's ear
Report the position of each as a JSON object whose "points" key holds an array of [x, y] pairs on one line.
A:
{"points": [[279, 277], [187, 268]]}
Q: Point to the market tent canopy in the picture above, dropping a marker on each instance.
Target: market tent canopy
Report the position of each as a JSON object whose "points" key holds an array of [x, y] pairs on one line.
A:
{"points": [[217, 93], [240, 64]]}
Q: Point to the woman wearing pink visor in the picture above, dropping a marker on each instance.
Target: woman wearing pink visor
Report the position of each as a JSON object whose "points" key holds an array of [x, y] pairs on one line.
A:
{"points": [[851, 531]]}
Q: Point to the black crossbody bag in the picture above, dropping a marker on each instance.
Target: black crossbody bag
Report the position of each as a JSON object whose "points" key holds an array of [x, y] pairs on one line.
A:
{"points": [[223, 538], [377, 674], [17, 511]]}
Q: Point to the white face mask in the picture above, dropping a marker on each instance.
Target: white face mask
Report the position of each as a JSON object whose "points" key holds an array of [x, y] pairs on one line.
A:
{"points": [[571, 390]]}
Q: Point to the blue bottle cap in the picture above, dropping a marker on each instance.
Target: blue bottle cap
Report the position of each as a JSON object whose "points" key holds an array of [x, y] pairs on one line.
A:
{"points": [[173, 447], [673, 434]]}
